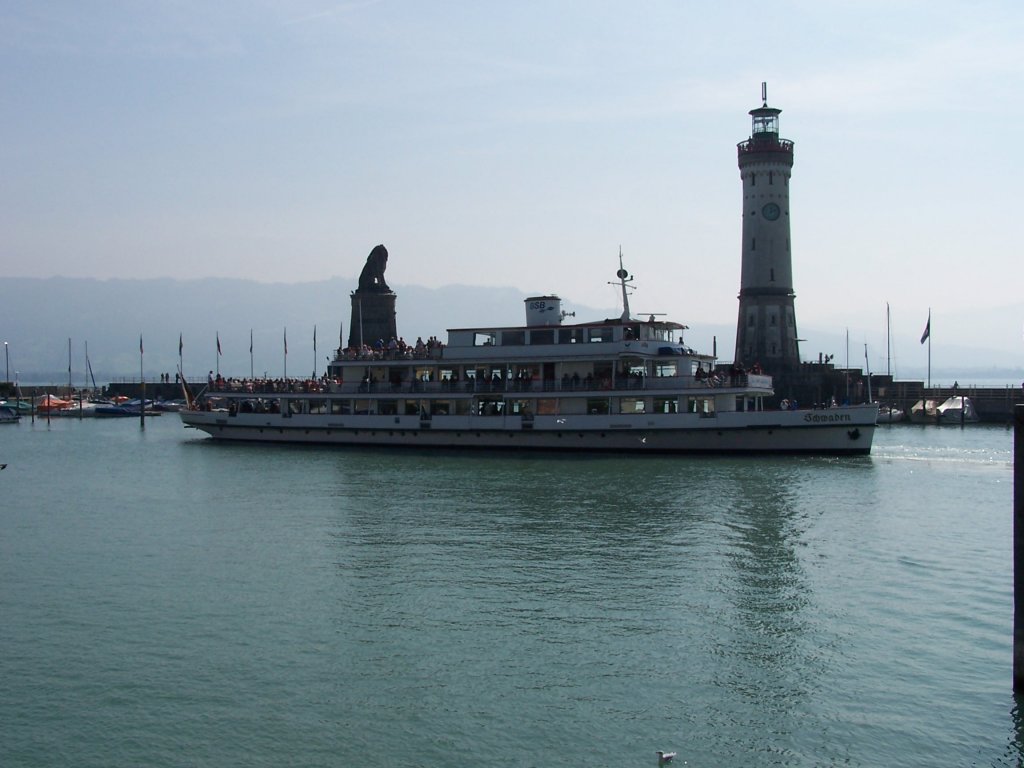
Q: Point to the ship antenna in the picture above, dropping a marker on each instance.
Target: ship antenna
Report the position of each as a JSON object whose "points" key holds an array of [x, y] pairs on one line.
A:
{"points": [[624, 279]]}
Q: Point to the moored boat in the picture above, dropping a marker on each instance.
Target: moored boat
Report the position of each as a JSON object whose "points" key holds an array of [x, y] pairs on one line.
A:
{"points": [[20, 405], [924, 412], [8, 414], [890, 414], [625, 384], [50, 404], [127, 408], [957, 410]]}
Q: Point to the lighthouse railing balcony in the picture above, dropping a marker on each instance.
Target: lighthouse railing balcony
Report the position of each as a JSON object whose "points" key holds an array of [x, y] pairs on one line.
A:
{"points": [[764, 145]]}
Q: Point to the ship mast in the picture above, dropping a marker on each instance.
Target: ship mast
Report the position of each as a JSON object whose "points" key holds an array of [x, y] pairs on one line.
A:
{"points": [[624, 278]]}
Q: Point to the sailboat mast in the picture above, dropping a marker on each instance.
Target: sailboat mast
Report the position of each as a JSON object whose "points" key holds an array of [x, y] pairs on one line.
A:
{"points": [[888, 340], [867, 371]]}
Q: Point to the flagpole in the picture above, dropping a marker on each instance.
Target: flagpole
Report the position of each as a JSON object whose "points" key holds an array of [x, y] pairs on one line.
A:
{"points": [[181, 360], [286, 353], [142, 379], [252, 377], [218, 354], [929, 347], [314, 351], [847, 366]]}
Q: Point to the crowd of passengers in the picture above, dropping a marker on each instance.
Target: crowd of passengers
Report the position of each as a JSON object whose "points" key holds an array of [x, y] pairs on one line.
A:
{"points": [[394, 349], [219, 383]]}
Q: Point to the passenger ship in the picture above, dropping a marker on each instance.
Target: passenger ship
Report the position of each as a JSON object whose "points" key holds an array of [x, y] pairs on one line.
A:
{"points": [[626, 385]]}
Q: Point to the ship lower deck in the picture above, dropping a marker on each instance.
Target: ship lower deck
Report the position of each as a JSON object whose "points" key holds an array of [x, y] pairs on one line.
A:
{"points": [[845, 431]]}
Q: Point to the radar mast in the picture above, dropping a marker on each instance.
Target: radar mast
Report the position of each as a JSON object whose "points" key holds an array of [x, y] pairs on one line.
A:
{"points": [[624, 279]]}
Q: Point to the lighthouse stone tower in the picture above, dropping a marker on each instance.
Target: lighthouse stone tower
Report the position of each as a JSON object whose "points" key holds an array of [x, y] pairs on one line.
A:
{"points": [[766, 327]]}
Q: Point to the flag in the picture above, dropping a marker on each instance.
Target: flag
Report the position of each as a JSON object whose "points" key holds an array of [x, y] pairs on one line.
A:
{"points": [[218, 343], [927, 328], [140, 344], [286, 342], [180, 345], [250, 341]]}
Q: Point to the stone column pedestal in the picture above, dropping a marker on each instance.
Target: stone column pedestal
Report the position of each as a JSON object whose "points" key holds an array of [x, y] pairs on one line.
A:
{"points": [[373, 318]]}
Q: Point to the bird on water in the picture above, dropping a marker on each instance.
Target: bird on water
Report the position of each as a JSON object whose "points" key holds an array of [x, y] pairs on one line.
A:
{"points": [[665, 757]]}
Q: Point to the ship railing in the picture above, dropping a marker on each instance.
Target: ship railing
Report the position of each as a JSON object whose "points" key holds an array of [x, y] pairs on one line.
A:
{"points": [[473, 385], [554, 386]]}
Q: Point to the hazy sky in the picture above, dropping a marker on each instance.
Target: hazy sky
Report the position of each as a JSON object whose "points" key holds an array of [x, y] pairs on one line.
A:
{"points": [[519, 144]]}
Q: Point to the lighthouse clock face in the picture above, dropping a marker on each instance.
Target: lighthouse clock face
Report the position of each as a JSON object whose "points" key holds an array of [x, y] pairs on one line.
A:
{"points": [[770, 211]]}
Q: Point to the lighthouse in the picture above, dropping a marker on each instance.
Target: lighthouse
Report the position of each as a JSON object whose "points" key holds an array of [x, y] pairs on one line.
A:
{"points": [[766, 325]]}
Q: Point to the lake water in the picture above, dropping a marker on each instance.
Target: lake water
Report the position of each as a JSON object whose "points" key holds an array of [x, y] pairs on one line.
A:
{"points": [[167, 601]]}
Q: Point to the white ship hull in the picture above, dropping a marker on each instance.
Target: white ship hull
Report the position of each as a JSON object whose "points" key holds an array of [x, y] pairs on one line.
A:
{"points": [[833, 431]]}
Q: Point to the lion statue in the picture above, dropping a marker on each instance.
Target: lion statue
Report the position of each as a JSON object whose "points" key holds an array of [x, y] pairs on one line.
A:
{"points": [[372, 276]]}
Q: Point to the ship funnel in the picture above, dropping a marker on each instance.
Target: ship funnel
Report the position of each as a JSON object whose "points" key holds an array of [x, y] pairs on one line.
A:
{"points": [[543, 310]]}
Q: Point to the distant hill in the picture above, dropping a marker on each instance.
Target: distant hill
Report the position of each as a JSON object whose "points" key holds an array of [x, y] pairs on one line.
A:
{"points": [[38, 316]]}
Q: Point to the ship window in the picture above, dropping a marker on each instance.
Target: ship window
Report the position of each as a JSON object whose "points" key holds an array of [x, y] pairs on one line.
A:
{"points": [[318, 406], [517, 407], [597, 405], [295, 406], [702, 405], [631, 405], [601, 334], [341, 406], [513, 338], [388, 407], [662, 334], [483, 339], [570, 335], [771, 177], [753, 243], [440, 407], [363, 407], [753, 179], [547, 406], [490, 406], [665, 369], [546, 336], [771, 321], [666, 405]]}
